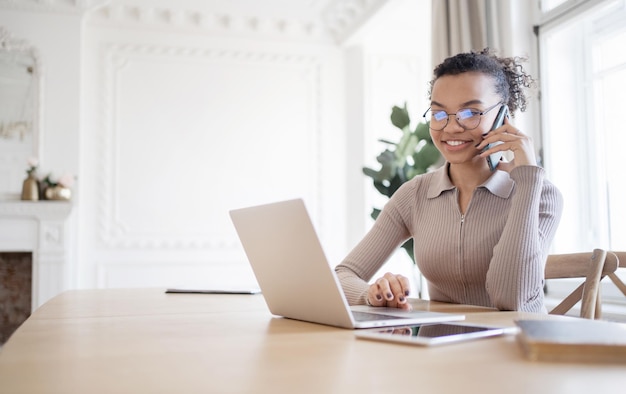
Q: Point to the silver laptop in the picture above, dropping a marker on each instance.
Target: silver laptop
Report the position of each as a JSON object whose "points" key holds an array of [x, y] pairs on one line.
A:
{"points": [[295, 277]]}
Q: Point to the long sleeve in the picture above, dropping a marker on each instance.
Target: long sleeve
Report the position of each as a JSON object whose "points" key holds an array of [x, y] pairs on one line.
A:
{"points": [[515, 277], [387, 234]]}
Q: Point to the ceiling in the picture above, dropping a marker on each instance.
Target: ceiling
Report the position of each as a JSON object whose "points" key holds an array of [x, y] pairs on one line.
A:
{"points": [[320, 20]]}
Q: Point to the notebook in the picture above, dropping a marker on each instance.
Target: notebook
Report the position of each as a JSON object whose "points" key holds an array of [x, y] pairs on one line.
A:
{"points": [[575, 340], [295, 277]]}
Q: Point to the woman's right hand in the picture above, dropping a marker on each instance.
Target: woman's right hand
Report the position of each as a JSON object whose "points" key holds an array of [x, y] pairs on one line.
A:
{"points": [[512, 140], [391, 291]]}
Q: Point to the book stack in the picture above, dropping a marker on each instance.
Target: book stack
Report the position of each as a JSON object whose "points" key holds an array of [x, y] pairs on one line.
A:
{"points": [[576, 340]]}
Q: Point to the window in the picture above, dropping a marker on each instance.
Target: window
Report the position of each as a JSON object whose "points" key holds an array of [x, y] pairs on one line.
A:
{"points": [[583, 81], [549, 5]]}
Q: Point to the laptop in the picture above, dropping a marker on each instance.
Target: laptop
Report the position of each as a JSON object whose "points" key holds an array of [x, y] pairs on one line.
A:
{"points": [[295, 277]]}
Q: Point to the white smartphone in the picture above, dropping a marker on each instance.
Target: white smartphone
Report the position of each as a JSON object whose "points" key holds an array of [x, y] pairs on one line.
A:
{"points": [[494, 158], [434, 334]]}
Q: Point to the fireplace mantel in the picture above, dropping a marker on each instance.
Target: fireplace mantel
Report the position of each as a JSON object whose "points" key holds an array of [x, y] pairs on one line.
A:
{"points": [[40, 227], [35, 209]]}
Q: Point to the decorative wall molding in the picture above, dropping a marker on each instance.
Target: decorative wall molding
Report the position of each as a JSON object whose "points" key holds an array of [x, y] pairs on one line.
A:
{"points": [[10, 43], [120, 53], [113, 232], [200, 21], [343, 17], [53, 6], [328, 20]]}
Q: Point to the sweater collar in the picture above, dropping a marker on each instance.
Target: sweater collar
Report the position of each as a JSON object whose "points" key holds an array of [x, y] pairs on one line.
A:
{"points": [[499, 183]]}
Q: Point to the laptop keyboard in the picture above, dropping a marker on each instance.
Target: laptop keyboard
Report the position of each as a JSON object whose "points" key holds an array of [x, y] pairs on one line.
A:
{"points": [[366, 316]]}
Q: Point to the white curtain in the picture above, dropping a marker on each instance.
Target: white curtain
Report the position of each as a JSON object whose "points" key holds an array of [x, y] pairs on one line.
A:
{"points": [[465, 25]]}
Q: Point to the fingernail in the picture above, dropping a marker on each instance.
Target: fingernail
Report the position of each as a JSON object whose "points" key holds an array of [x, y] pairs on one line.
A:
{"points": [[406, 292], [401, 299], [379, 297], [389, 296]]}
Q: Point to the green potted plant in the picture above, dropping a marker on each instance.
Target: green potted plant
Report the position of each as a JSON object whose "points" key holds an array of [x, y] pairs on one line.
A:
{"points": [[412, 155]]}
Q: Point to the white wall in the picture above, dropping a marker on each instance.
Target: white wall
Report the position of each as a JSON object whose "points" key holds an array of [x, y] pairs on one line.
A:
{"points": [[56, 38], [170, 118], [184, 127]]}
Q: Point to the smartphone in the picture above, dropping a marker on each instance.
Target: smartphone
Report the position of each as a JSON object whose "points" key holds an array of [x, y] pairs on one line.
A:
{"points": [[434, 333], [494, 158]]}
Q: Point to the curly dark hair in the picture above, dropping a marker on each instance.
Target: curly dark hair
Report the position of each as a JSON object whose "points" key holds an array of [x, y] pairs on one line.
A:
{"points": [[510, 77]]}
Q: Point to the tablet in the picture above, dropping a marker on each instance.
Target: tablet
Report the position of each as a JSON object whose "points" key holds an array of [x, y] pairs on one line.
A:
{"points": [[434, 334]]}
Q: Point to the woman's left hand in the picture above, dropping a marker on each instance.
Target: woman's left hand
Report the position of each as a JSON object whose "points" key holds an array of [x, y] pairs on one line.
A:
{"points": [[514, 140], [391, 291]]}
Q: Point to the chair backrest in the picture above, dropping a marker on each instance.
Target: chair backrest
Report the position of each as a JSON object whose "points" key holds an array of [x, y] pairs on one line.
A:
{"points": [[621, 256], [621, 264], [590, 266]]}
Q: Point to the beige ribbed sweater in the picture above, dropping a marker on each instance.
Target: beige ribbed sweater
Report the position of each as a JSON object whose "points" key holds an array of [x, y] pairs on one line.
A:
{"points": [[493, 255]]}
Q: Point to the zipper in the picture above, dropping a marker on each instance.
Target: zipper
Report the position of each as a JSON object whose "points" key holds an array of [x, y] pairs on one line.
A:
{"points": [[460, 240], [460, 255]]}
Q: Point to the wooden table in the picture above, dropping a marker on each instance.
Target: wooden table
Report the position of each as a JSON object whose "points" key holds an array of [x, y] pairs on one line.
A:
{"points": [[146, 341]]}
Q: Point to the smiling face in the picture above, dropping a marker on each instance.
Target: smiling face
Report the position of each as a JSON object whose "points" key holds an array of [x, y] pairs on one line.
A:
{"points": [[450, 93]]}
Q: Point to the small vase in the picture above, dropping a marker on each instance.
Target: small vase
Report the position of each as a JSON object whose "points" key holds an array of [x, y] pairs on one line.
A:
{"points": [[30, 188], [58, 192]]}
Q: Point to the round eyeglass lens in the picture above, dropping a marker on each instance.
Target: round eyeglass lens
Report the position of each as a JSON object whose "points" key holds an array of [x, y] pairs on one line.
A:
{"points": [[440, 116], [464, 114], [468, 119]]}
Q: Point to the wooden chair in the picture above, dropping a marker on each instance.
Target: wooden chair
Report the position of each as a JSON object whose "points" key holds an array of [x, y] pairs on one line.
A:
{"points": [[591, 266], [621, 264]]}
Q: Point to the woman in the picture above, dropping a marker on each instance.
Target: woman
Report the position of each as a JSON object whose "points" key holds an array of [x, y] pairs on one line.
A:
{"points": [[481, 237]]}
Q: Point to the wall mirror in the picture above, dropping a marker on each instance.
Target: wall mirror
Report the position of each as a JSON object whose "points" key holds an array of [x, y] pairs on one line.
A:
{"points": [[19, 109]]}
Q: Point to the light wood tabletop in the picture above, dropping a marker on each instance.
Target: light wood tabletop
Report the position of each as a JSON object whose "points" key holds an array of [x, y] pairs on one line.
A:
{"points": [[146, 341]]}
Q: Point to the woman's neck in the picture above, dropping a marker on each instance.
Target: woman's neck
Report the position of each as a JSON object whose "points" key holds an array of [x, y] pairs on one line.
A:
{"points": [[468, 176]]}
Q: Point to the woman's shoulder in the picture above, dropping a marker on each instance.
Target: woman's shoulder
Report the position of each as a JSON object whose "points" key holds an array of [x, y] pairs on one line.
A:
{"points": [[424, 185], [425, 179]]}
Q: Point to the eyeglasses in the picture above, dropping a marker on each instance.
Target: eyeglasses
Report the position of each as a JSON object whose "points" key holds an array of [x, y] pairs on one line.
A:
{"points": [[467, 118]]}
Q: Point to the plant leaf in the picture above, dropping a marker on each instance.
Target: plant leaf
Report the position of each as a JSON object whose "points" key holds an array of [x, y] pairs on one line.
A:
{"points": [[422, 131], [400, 117], [408, 247], [382, 188], [427, 156]]}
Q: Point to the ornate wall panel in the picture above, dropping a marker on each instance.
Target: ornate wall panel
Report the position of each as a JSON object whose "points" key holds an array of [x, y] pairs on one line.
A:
{"points": [[190, 133]]}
